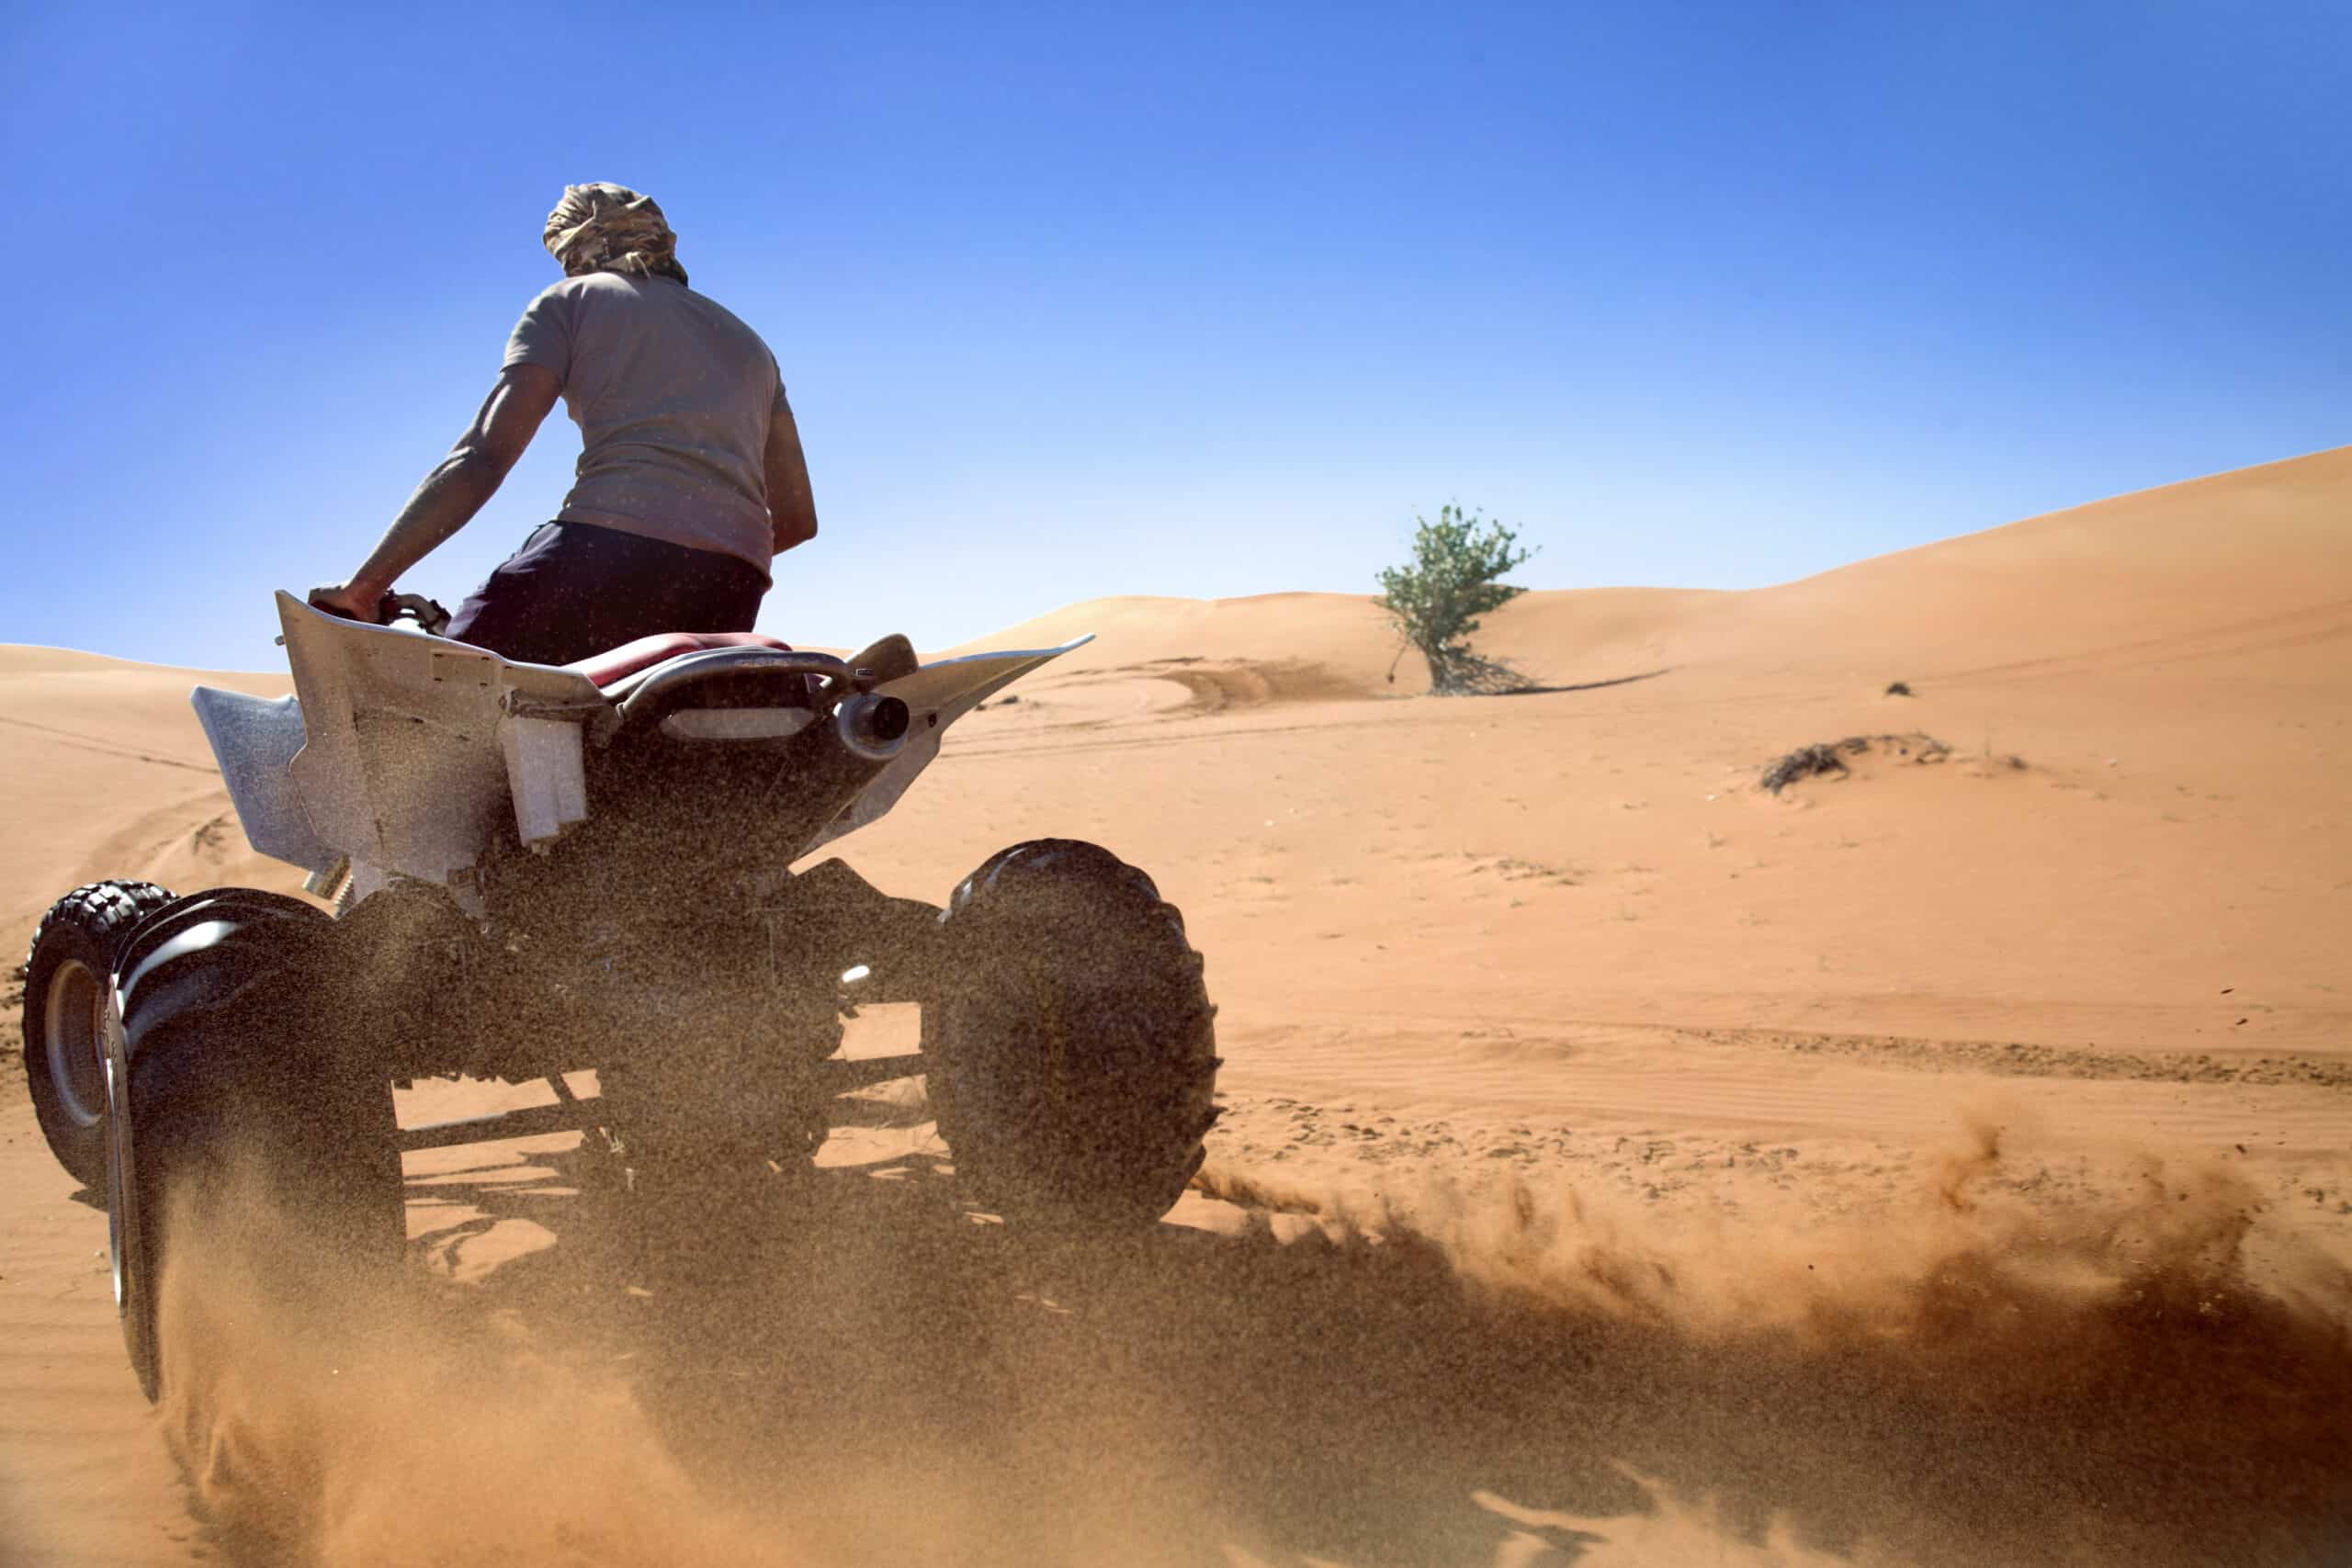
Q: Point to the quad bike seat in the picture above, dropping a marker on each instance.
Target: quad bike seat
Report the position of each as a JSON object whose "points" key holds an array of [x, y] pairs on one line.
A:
{"points": [[617, 664], [627, 676]]}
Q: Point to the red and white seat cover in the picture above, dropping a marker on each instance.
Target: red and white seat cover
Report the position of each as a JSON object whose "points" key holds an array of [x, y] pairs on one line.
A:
{"points": [[616, 664]]}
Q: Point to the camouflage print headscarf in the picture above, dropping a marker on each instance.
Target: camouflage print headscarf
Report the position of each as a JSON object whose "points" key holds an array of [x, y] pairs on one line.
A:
{"points": [[610, 227]]}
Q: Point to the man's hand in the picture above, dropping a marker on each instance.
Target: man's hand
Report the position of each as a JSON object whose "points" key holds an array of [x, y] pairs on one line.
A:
{"points": [[357, 601]]}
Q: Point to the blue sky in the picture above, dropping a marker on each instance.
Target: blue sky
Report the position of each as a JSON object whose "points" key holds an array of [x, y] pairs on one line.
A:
{"points": [[1170, 299]]}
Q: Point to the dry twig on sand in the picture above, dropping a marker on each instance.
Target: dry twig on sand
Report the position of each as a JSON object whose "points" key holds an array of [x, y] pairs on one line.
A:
{"points": [[1829, 756]]}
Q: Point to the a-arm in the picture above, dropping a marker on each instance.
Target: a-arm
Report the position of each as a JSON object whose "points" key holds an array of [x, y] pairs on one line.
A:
{"points": [[457, 488], [792, 509]]}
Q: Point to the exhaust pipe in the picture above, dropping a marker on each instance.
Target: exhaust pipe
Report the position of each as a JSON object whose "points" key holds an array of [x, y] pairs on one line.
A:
{"points": [[871, 725]]}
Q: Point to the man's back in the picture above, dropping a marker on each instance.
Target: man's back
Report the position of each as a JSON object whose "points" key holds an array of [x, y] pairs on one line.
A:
{"points": [[691, 478], [674, 397]]}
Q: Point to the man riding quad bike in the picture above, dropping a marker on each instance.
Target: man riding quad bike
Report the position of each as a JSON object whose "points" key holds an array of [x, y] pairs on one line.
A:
{"points": [[690, 481], [542, 869], [540, 866]]}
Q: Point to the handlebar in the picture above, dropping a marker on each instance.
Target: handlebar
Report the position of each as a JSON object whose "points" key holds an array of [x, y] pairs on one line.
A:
{"points": [[422, 615], [428, 613]]}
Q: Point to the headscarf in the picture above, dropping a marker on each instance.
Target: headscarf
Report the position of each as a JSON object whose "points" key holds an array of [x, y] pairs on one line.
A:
{"points": [[609, 228]]}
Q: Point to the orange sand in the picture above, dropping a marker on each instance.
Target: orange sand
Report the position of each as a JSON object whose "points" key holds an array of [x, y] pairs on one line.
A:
{"points": [[1561, 936]]}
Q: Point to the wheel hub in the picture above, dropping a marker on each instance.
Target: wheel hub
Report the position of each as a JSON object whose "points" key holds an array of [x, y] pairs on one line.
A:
{"points": [[74, 1030]]}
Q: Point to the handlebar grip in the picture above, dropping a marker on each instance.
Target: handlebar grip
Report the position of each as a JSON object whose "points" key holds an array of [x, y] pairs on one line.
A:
{"points": [[430, 617]]}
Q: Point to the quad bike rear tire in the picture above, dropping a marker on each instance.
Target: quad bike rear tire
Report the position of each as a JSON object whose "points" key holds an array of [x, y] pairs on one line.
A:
{"points": [[69, 982], [1071, 1053], [233, 1059]]}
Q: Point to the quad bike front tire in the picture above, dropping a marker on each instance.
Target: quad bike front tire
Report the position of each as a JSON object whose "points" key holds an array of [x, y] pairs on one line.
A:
{"points": [[233, 1059], [1070, 1050], [69, 986]]}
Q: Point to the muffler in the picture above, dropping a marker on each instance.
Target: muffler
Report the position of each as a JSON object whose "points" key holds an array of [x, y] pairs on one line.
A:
{"points": [[871, 725]]}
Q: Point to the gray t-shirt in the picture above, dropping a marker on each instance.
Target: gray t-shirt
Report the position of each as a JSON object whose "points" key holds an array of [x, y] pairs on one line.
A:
{"points": [[673, 396]]}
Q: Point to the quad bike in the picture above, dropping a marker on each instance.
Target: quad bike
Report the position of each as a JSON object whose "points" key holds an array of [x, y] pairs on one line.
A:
{"points": [[538, 870]]}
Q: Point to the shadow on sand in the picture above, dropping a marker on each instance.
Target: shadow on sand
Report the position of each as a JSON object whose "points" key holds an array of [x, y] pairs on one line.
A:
{"points": [[1539, 691]]}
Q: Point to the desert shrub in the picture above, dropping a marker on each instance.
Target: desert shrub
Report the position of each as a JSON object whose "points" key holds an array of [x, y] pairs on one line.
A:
{"points": [[1436, 599]]}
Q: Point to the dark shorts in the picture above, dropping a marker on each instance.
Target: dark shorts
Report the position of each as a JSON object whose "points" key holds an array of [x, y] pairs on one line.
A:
{"points": [[575, 590]]}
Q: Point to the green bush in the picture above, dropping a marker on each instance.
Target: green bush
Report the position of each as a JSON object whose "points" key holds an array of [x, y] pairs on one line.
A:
{"points": [[1435, 599]]}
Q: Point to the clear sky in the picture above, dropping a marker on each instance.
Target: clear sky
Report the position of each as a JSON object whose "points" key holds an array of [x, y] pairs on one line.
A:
{"points": [[1170, 299]]}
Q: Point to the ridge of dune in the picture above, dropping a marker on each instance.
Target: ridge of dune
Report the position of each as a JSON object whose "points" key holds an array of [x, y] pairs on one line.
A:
{"points": [[2162, 515], [2253, 556], [39, 659], [2232, 556]]}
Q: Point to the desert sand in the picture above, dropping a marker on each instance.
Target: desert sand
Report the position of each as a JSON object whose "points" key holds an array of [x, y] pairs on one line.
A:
{"points": [[1944, 1160]]}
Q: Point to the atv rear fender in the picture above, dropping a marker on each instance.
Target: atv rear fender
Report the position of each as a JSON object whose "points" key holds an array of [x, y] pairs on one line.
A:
{"points": [[403, 753]]}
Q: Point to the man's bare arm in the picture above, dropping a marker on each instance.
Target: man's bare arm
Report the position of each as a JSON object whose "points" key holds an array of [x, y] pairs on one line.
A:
{"points": [[791, 508], [456, 489]]}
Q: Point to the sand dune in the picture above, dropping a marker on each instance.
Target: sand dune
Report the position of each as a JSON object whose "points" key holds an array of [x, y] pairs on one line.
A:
{"points": [[2237, 562], [108, 775], [1564, 939]]}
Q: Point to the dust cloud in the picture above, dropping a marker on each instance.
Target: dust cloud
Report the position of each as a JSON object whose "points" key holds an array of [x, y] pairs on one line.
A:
{"points": [[1505, 1375], [317, 1420]]}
